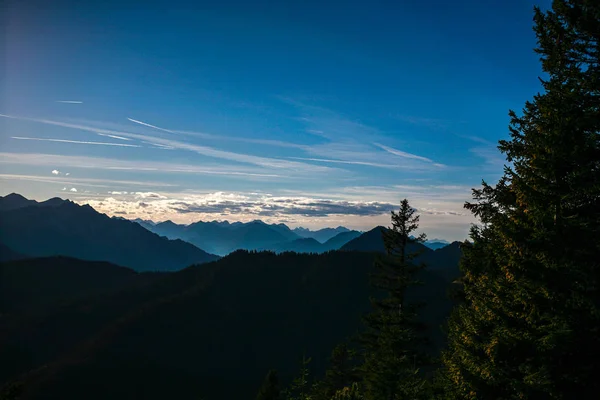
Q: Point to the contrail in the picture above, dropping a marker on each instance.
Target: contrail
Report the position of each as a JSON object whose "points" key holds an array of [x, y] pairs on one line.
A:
{"points": [[151, 126], [75, 141], [402, 153], [69, 101], [112, 136]]}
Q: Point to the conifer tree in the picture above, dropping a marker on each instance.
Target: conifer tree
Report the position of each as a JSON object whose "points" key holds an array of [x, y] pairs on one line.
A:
{"points": [[301, 388], [392, 343], [270, 387], [530, 324], [351, 392], [341, 373]]}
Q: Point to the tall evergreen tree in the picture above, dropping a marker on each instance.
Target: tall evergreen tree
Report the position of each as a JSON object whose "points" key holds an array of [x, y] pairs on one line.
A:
{"points": [[341, 373], [301, 387], [393, 340], [530, 325], [270, 387], [351, 392]]}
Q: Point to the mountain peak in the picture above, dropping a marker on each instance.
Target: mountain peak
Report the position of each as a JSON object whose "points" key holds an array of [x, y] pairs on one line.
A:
{"points": [[15, 196], [15, 201], [54, 202]]}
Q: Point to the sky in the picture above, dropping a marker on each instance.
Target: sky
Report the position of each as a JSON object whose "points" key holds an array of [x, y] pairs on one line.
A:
{"points": [[310, 113]]}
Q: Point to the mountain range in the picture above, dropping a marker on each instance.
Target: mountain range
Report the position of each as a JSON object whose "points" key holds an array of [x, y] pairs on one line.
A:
{"points": [[223, 237], [61, 227], [83, 303]]}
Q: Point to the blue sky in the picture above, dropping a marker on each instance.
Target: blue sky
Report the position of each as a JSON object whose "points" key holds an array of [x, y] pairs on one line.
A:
{"points": [[307, 112]]}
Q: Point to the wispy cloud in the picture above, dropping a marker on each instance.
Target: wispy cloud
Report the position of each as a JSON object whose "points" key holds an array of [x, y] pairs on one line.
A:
{"points": [[315, 131], [364, 154], [491, 155], [434, 123], [87, 162], [160, 146], [476, 139], [113, 136], [342, 161], [91, 182], [69, 101], [298, 168], [402, 153], [150, 126], [74, 141]]}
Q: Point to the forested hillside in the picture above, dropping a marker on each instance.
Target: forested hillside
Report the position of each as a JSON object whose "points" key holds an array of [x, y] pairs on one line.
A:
{"points": [[211, 330]]}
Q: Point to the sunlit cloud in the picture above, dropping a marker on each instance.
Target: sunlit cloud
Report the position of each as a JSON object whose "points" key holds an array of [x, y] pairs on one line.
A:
{"points": [[73, 190], [258, 205], [441, 217], [55, 172], [74, 141]]}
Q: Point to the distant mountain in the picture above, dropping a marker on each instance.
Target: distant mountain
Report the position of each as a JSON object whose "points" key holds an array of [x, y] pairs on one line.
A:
{"points": [[369, 241], [303, 245], [15, 201], [321, 235], [8, 254], [223, 237], [341, 239], [144, 222], [284, 230], [372, 241], [445, 258], [168, 229], [436, 243], [61, 227], [311, 245]]}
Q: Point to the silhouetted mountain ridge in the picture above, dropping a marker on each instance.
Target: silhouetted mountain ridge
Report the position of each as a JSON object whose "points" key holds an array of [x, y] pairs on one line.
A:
{"points": [[62, 227], [222, 237]]}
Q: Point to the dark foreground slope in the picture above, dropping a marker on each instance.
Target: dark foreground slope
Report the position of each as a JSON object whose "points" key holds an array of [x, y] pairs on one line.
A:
{"points": [[45, 282], [210, 331], [8, 254]]}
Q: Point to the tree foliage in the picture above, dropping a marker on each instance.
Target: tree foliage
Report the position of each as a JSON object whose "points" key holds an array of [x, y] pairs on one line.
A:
{"points": [[392, 344], [530, 324], [270, 387], [340, 375]]}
